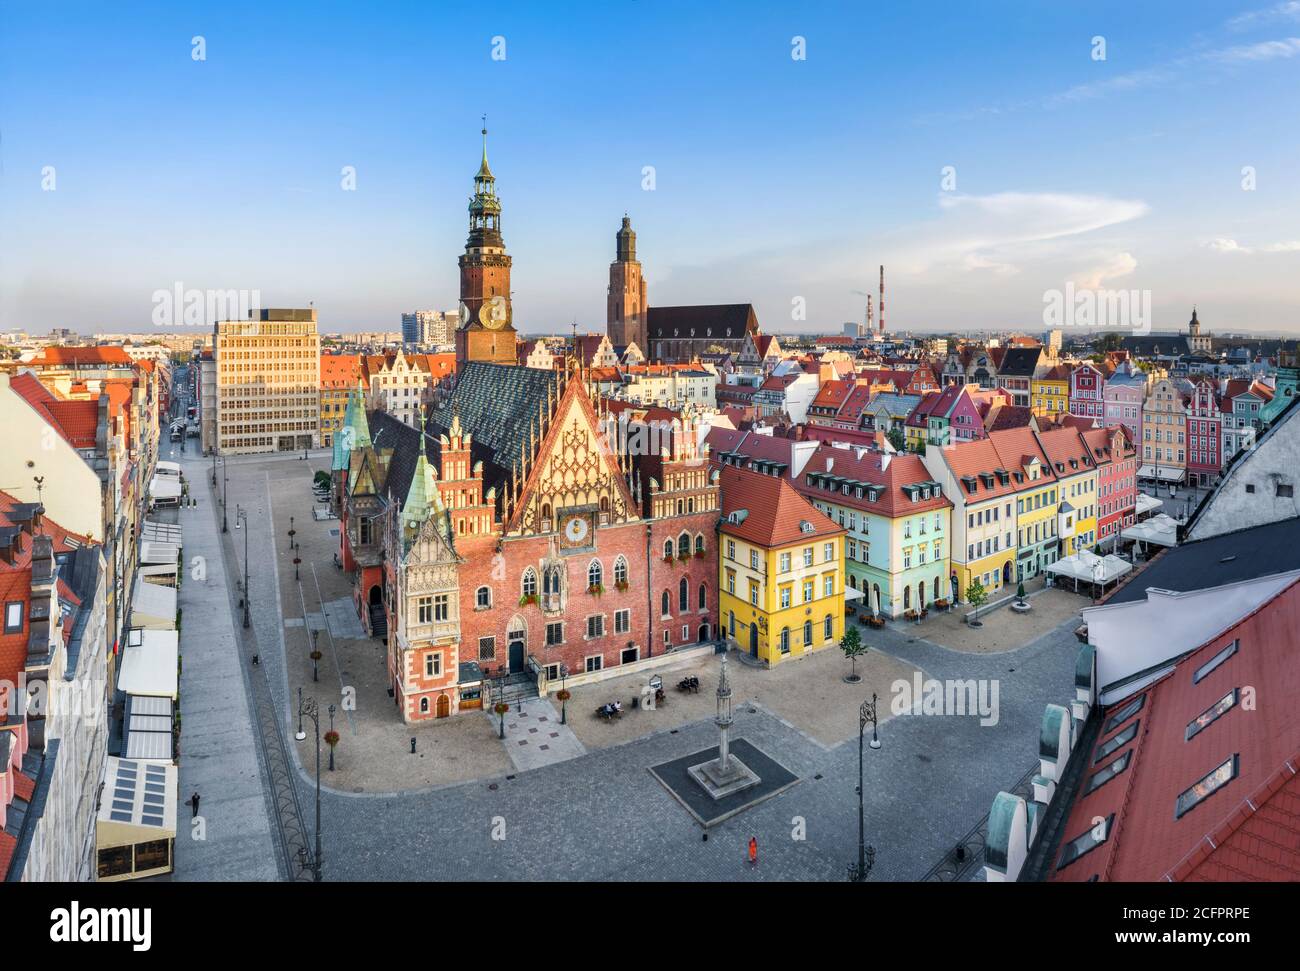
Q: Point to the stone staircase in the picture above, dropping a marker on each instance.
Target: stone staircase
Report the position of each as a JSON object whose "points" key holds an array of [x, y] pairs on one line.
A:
{"points": [[378, 622]]}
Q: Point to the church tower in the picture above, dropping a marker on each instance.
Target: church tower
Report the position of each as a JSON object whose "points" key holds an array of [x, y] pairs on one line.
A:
{"points": [[626, 309], [486, 331]]}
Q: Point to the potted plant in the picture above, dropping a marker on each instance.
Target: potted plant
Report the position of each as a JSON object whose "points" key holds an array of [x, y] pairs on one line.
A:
{"points": [[699, 554], [528, 598], [501, 708], [620, 585], [331, 739], [683, 557], [668, 557], [596, 589]]}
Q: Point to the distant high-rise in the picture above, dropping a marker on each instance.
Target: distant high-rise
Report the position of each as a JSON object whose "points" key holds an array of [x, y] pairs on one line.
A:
{"points": [[268, 382], [429, 327]]}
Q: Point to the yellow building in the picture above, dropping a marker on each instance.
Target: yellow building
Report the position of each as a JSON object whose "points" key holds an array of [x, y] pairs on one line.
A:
{"points": [[1049, 392], [1076, 473], [781, 569]]}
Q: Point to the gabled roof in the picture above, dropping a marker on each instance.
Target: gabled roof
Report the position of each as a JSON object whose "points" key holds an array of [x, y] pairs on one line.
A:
{"points": [[100, 356], [843, 466], [775, 514], [1019, 361], [731, 321], [1245, 825]]}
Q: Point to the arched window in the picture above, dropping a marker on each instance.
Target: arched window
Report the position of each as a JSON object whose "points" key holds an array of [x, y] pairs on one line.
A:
{"points": [[828, 628], [528, 585], [807, 633], [704, 596], [684, 545], [683, 595], [424, 706], [551, 578], [907, 598], [668, 549], [595, 574], [483, 597], [699, 542], [665, 604], [620, 571]]}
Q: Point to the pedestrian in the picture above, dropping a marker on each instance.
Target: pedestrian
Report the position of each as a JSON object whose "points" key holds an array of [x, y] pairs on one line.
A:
{"points": [[194, 804], [753, 852]]}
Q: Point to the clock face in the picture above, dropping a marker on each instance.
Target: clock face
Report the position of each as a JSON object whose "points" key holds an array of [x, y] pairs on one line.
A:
{"points": [[576, 530], [492, 314]]}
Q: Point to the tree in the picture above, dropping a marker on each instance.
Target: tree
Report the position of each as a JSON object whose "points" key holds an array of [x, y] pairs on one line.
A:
{"points": [[977, 596], [852, 646], [897, 439], [1020, 593], [1111, 341]]}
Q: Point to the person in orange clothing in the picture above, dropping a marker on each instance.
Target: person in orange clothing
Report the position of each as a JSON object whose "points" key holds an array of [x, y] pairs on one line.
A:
{"points": [[753, 852]]}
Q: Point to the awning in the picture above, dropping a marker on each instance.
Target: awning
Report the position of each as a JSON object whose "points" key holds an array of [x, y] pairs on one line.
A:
{"points": [[165, 487], [147, 725], [149, 663], [153, 605], [852, 593], [152, 551], [138, 803], [171, 469], [1160, 530], [1087, 566], [1146, 504], [1164, 473], [162, 574], [161, 532]]}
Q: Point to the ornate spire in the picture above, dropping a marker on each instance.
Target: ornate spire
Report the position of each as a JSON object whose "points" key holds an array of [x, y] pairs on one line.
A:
{"points": [[483, 171]]}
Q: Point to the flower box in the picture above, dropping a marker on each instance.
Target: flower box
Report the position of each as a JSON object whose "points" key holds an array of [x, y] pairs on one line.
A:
{"points": [[528, 598], [596, 589], [621, 586], [699, 554]]}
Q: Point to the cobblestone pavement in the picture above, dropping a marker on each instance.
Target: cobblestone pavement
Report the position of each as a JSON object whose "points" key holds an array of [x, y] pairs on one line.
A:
{"points": [[603, 816], [219, 753], [1003, 629], [809, 694], [534, 735]]}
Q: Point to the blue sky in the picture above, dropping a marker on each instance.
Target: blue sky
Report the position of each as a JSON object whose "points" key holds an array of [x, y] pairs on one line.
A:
{"points": [[775, 178]]}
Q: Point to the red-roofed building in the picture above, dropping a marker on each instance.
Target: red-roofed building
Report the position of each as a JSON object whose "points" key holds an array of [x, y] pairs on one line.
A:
{"points": [[52, 638], [1193, 776], [780, 568]]}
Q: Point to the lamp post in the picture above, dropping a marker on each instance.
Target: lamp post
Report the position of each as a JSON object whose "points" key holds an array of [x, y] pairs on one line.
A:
{"points": [[241, 516], [564, 691], [332, 736], [313, 860], [866, 854], [300, 734], [225, 494]]}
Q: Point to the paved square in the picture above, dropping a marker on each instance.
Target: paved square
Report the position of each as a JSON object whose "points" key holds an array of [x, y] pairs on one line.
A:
{"points": [[774, 778]]}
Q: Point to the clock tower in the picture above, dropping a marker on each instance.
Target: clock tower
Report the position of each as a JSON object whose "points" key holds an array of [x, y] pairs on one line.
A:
{"points": [[486, 331]]}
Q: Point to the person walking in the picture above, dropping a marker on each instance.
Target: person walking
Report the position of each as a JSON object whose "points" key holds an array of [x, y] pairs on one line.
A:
{"points": [[753, 852], [194, 804]]}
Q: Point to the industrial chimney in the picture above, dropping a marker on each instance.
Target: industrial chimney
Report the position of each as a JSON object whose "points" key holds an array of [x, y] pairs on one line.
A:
{"points": [[881, 309]]}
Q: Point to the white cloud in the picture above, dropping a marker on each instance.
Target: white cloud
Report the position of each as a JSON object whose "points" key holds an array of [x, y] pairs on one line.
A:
{"points": [[1289, 10], [1121, 264], [1224, 244]]}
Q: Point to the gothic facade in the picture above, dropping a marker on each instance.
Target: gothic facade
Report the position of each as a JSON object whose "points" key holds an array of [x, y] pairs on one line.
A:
{"points": [[521, 533]]}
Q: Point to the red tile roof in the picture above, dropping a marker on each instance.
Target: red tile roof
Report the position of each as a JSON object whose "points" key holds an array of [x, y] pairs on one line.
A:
{"points": [[900, 470], [104, 356], [775, 511], [1246, 830], [77, 421]]}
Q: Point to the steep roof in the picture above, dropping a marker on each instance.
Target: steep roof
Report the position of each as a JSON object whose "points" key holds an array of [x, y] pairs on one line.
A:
{"points": [[775, 513], [728, 321], [844, 466], [497, 404], [1191, 722], [100, 356], [1019, 361]]}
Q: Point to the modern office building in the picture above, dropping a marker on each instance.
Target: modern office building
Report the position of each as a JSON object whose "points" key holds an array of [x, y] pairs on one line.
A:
{"points": [[268, 382]]}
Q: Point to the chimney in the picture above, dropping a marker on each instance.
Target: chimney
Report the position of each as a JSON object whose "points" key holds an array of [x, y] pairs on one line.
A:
{"points": [[881, 308]]}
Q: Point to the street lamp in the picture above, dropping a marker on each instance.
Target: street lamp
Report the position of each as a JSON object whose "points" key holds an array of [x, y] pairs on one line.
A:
{"points": [[241, 515], [225, 494], [305, 859], [866, 854], [332, 737], [564, 693]]}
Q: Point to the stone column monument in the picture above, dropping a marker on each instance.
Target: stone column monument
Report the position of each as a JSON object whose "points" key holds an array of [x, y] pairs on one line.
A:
{"points": [[726, 775]]}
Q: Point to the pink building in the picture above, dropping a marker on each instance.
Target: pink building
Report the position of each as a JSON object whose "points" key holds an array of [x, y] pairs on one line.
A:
{"points": [[1117, 468], [1122, 397], [1204, 435], [1086, 391]]}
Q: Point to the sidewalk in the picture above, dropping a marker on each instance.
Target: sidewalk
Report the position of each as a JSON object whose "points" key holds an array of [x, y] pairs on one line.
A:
{"points": [[218, 758]]}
